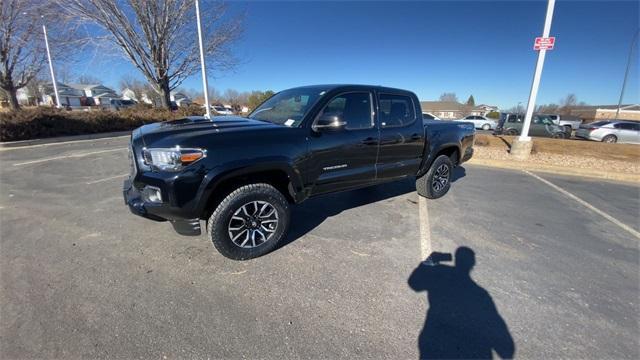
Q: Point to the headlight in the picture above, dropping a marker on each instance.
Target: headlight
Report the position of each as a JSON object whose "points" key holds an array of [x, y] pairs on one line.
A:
{"points": [[171, 159]]}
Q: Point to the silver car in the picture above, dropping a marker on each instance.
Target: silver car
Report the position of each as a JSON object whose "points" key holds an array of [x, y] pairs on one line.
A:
{"points": [[611, 131], [480, 122]]}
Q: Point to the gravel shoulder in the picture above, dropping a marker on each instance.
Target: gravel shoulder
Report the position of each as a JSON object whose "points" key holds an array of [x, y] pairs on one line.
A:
{"points": [[571, 157]]}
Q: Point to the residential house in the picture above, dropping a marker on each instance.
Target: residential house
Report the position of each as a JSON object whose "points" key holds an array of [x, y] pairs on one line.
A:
{"points": [[100, 94], [76, 95], [445, 110], [483, 110], [68, 96], [128, 94], [604, 112]]}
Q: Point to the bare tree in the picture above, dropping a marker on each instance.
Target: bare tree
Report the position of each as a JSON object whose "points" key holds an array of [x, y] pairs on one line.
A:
{"points": [[231, 96], [22, 53], [547, 109], [158, 36], [449, 97], [86, 79], [140, 89], [568, 103], [22, 46]]}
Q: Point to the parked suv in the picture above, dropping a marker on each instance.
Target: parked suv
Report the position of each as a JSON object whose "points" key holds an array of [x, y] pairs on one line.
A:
{"points": [[241, 175], [541, 125], [611, 132]]}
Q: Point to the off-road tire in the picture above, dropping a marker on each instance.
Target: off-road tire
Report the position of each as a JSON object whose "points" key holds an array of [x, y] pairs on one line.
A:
{"points": [[610, 139], [218, 223], [424, 184]]}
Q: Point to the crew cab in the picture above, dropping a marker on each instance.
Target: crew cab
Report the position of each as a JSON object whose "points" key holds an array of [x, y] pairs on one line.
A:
{"points": [[241, 174]]}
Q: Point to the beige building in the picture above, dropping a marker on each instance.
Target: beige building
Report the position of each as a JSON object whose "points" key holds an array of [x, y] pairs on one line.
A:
{"points": [[450, 110], [604, 112]]}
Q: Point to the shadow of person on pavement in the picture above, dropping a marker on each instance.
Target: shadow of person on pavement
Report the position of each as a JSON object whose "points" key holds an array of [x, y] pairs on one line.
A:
{"points": [[462, 321]]}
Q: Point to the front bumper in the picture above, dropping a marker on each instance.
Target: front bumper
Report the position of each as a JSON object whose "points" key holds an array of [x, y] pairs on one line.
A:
{"points": [[158, 211]]}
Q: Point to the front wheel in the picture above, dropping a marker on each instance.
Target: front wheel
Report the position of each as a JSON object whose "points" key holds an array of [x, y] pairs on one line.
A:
{"points": [[511, 132], [249, 222], [610, 139], [558, 136], [486, 127], [437, 181]]}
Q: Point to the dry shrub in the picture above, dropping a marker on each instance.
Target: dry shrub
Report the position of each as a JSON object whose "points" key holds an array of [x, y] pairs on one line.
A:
{"points": [[44, 122]]}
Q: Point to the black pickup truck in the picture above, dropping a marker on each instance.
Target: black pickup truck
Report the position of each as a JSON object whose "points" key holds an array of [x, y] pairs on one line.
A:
{"points": [[240, 174]]}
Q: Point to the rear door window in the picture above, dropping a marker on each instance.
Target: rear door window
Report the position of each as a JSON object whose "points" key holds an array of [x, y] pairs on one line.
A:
{"points": [[396, 110]]}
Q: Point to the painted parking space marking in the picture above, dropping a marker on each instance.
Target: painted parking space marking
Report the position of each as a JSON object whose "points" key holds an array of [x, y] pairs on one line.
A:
{"points": [[107, 179], [587, 205], [67, 156], [425, 229], [61, 143]]}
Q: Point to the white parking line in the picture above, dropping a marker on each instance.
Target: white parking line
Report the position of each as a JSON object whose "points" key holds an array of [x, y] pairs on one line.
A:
{"points": [[425, 229], [67, 156], [107, 179], [587, 205], [60, 143]]}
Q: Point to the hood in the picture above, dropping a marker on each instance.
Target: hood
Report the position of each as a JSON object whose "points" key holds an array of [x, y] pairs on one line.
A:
{"points": [[198, 125]]}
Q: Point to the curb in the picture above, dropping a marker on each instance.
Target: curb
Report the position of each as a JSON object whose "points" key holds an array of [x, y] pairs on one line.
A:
{"points": [[54, 140], [515, 165]]}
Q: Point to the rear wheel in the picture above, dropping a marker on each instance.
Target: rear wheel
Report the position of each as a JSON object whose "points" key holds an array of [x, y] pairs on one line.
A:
{"points": [[486, 127], [437, 181], [610, 139], [249, 222], [512, 132], [558, 136]]}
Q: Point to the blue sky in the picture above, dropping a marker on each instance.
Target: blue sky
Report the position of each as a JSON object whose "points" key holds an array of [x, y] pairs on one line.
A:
{"points": [[482, 48]]}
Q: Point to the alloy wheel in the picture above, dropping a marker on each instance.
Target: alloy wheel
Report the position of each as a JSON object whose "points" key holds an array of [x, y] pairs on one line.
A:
{"points": [[253, 224], [440, 178]]}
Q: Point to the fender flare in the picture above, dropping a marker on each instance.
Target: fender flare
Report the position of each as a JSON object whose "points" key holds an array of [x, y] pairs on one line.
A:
{"points": [[245, 167], [433, 154]]}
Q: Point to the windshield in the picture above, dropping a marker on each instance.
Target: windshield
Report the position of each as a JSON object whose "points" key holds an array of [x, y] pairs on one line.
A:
{"points": [[288, 107]]}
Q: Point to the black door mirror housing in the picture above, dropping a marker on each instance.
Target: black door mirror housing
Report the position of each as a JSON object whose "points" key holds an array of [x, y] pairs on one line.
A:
{"points": [[329, 122]]}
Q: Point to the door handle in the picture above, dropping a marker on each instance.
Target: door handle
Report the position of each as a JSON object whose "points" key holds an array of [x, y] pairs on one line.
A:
{"points": [[369, 141]]}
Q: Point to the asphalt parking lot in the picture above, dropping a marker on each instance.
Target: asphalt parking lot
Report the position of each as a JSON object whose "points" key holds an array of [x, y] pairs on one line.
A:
{"points": [[556, 275]]}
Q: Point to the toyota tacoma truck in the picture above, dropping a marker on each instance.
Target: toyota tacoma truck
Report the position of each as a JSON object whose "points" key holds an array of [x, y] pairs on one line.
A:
{"points": [[240, 175]]}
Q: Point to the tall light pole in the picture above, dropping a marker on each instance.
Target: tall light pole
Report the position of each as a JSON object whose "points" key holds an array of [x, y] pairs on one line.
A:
{"points": [[53, 75], [205, 85], [524, 135], [626, 72]]}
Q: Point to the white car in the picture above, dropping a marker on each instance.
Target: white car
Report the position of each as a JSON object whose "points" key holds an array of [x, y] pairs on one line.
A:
{"points": [[480, 122], [429, 116], [221, 110], [626, 132]]}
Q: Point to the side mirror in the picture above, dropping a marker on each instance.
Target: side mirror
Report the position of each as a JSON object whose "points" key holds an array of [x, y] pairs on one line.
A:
{"points": [[328, 122]]}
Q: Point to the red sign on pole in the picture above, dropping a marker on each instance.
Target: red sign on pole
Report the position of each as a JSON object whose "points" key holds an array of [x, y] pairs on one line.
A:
{"points": [[543, 43]]}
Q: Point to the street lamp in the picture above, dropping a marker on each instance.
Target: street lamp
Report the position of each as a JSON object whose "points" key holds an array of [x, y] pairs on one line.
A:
{"points": [[205, 86], [626, 73], [521, 148], [53, 76]]}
